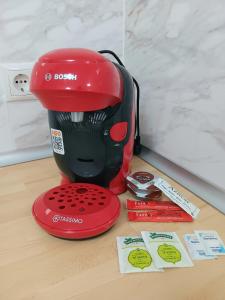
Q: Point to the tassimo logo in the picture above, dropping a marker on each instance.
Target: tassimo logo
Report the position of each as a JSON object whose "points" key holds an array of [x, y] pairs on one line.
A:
{"points": [[58, 218], [60, 76]]}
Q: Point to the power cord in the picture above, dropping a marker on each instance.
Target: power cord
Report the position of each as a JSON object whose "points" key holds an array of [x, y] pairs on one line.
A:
{"points": [[137, 141]]}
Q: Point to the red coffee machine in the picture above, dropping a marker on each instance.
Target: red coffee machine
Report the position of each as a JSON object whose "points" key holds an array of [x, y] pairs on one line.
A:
{"points": [[90, 102]]}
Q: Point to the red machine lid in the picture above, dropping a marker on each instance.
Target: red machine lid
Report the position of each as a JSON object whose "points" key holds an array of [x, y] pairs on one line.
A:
{"points": [[68, 55], [77, 210], [76, 80]]}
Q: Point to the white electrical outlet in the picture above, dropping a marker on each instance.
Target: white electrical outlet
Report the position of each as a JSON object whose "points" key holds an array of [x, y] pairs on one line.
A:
{"points": [[17, 81]]}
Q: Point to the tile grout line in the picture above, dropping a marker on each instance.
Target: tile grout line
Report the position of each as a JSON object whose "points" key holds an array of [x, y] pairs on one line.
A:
{"points": [[124, 29]]}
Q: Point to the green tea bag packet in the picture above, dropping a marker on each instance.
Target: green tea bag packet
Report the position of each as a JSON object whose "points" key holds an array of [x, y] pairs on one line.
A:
{"points": [[133, 256], [166, 249]]}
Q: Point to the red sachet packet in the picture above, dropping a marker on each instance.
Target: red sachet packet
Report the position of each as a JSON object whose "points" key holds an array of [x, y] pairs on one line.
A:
{"points": [[152, 205], [159, 216]]}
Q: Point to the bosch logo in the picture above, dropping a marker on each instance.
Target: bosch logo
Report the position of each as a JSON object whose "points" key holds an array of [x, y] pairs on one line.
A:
{"points": [[60, 76], [68, 76], [58, 218], [48, 77]]}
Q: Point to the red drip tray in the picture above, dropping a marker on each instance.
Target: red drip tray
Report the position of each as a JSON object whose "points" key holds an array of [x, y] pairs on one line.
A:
{"points": [[76, 210]]}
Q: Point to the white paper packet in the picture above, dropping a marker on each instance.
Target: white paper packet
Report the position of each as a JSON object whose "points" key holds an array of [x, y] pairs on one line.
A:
{"points": [[195, 248], [211, 241], [133, 255], [176, 197], [166, 249]]}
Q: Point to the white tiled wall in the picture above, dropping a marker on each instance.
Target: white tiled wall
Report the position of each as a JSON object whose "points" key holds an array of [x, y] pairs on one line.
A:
{"points": [[176, 49], [28, 29]]}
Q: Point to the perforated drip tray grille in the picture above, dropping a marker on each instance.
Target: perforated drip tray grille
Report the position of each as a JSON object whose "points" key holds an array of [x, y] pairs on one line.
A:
{"points": [[77, 198]]}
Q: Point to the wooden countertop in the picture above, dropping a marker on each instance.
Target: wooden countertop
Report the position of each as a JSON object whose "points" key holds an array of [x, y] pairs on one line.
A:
{"points": [[35, 265]]}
